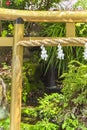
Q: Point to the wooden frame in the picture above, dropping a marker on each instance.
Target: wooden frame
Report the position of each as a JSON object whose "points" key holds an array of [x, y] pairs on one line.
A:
{"points": [[44, 16], [69, 17], [17, 76], [7, 41]]}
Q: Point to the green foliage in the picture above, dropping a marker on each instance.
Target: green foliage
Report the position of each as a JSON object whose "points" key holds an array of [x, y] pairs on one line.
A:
{"points": [[67, 110], [75, 82], [57, 112], [52, 30], [31, 79], [4, 33], [25, 126], [45, 125], [71, 53], [7, 29], [48, 107], [29, 111], [5, 124], [75, 93], [70, 124], [15, 4], [41, 125], [18, 2], [82, 3], [26, 84], [81, 29]]}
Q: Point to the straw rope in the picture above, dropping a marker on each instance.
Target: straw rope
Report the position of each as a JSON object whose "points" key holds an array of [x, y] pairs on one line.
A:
{"points": [[54, 42]]}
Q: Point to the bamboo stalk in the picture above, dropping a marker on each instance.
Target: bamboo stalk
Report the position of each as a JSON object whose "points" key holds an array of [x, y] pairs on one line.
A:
{"points": [[44, 16]]}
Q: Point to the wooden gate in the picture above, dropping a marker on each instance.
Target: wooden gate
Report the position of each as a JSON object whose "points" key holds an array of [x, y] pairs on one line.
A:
{"points": [[18, 41]]}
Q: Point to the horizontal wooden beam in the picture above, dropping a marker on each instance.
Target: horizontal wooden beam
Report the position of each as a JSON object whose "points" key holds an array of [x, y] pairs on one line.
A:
{"points": [[6, 41], [49, 41], [43, 16]]}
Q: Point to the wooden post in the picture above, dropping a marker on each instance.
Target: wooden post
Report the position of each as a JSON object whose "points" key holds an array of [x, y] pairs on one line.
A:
{"points": [[0, 3], [0, 20], [70, 29], [17, 76]]}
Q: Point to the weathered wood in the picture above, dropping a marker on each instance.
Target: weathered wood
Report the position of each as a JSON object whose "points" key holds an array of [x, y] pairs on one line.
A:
{"points": [[65, 41], [17, 76], [44, 16], [0, 28], [6, 41], [0, 21], [0, 3], [70, 29]]}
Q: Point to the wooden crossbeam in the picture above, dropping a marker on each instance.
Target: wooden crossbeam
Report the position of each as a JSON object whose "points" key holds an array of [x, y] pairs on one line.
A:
{"points": [[69, 41], [44, 16], [6, 41]]}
